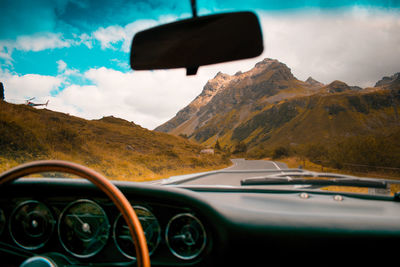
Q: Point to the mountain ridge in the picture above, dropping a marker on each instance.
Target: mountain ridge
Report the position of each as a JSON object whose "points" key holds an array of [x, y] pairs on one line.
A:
{"points": [[268, 106], [250, 86]]}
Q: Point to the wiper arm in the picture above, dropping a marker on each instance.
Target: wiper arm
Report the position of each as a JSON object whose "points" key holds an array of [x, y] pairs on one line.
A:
{"points": [[333, 180], [317, 182]]}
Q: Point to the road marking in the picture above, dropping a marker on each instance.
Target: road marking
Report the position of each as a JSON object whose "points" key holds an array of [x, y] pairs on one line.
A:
{"points": [[235, 164], [276, 165]]}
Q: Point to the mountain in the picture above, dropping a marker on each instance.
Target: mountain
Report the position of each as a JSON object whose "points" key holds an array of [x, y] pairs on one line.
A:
{"points": [[231, 99], [212, 87], [311, 81], [267, 107], [391, 82], [115, 147]]}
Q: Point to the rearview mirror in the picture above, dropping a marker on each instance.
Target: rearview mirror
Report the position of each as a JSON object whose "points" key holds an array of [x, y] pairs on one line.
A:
{"points": [[198, 41]]}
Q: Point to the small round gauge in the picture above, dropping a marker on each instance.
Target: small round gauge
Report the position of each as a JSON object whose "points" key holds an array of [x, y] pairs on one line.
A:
{"points": [[151, 229], [83, 228], [31, 224], [186, 236], [2, 221]]}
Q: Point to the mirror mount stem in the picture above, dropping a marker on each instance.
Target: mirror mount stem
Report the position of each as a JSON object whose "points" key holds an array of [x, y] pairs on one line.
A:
{"points": [[194, 8], [192, 70]]}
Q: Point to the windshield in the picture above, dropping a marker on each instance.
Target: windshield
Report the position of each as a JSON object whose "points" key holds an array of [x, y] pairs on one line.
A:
{"points": [[324, 95]]}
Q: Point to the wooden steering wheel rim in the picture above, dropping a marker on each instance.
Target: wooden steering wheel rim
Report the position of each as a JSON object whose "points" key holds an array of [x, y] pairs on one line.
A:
{"points": [[119, 200]]}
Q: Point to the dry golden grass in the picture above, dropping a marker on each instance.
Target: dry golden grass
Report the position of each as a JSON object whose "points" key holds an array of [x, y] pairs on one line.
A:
{"points": [[295, 162], [116, 148]]}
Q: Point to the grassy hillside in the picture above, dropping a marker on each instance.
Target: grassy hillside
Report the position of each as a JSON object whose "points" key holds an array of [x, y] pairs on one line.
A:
{"points": [[348, 130], [321, 118], [117, 148], [356, 130]]}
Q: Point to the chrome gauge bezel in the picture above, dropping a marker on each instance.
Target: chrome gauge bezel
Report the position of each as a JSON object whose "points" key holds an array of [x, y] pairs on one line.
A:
{"points": [[82, 256], [115, 237], [52, 225], [168, 241]]}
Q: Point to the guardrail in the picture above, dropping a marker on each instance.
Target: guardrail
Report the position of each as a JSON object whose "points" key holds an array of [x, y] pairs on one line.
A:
{"points": [[361, 169]]}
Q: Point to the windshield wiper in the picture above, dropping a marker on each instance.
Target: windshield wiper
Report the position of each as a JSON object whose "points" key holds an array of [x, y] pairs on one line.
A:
{"points": [[314, 179]]}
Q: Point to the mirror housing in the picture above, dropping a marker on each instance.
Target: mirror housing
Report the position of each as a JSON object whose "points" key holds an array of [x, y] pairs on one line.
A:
{"points": [[198, 41]]}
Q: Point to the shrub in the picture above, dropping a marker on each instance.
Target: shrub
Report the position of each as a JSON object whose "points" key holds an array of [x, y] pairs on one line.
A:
{"points": [[280, 152], [240, 147], [315, 152], [369, 150], [217, 145]]}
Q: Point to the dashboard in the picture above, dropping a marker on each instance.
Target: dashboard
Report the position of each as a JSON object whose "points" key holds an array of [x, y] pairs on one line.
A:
{"points": [[88, 229], [199, 226], [92, 229]]}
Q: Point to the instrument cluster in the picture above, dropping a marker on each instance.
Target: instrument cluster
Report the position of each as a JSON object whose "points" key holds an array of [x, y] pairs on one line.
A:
{"points": [[84, 228]]}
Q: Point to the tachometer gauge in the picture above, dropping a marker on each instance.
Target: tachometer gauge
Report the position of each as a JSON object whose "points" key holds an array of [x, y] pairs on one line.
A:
{"points": [[2, 221], [151, 229], [186, 236], [83, 228], [31, 224]]}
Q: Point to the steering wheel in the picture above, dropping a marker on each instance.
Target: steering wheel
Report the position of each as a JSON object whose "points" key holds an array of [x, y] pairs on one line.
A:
{"points": [[119, 200]]}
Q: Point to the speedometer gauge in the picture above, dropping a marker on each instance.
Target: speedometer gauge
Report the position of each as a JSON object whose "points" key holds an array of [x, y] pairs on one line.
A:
{"points": [[186, 236], [151, 229], [31, 224], [83, 228]]}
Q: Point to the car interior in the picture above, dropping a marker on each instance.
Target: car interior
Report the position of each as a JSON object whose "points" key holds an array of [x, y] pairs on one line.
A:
{"points": [[94, 221]]}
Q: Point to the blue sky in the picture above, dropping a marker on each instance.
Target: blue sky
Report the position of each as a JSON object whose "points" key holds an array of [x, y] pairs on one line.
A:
{"points": [[76, 53]]}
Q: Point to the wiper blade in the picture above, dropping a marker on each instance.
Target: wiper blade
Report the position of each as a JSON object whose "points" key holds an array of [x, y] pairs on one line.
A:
{"points": [[315, 180]]}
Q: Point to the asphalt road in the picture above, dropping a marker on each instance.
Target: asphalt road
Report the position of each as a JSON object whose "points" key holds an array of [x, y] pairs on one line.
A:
{"points": [[240, 169], [242, 164]]}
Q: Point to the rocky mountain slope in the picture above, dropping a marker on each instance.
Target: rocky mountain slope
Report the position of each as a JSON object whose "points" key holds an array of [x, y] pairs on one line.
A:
{"points": [[392, 82], [268, 107], [117, 148], [270, 81]]}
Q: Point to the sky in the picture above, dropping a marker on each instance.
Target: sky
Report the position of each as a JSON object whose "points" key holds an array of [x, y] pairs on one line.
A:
{"points": [[76, 53]]}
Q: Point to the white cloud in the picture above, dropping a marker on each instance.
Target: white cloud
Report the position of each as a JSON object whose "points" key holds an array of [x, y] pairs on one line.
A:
{"points": [[114, 34], [4, 55], [19, 88], [109, 36], [359, 46], [67, 74], [147, 98], [85, 39], [36, 42], [61, 65], [41, 41], [6, 47]]}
